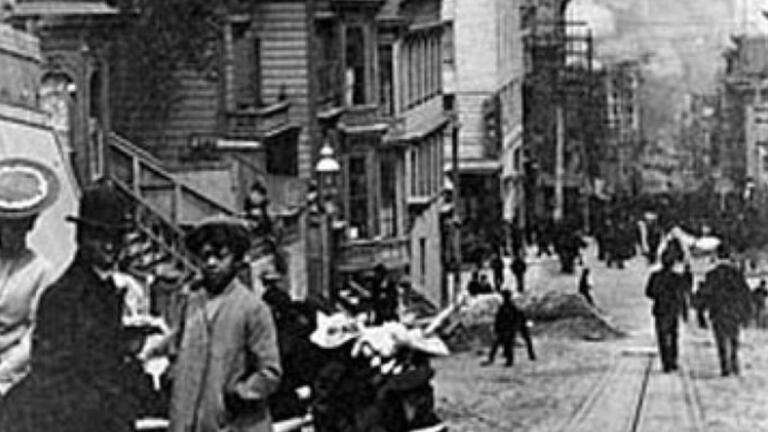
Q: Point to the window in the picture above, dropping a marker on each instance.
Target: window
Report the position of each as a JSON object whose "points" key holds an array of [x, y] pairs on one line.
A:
{"points": [[414, 168], [245, 87], [386, 95], [388, 191], [358, 196], [423, 261], [355, 65], [764, 95]]}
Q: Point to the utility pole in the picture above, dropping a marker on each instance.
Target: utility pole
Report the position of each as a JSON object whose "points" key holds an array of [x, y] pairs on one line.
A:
{"points": [[457, 222], [559, 160]]}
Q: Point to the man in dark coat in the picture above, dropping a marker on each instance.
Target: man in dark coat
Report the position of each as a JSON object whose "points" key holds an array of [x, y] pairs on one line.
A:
{"points": [[509, 321], [667, 288], [728, 300], [80, 378], [497, 266], [519, 267]]}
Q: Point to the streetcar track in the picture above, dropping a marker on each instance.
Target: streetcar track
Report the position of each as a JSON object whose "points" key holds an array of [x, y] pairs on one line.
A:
{"points": [[587, 404], [642, 395]]}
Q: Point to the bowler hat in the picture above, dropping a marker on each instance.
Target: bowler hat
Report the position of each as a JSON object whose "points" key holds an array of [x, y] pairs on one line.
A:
{"points": [[103, 207], [27, 188]]}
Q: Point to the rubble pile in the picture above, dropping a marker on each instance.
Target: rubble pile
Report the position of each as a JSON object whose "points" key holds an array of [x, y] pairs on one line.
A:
{"points": [[553, 314]]}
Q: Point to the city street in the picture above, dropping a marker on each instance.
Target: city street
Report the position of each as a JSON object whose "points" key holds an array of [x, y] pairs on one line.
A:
{"points": [[613, 385]]}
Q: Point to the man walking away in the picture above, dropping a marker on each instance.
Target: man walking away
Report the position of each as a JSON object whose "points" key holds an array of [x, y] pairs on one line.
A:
{"points": [[508, 322], [519, 267], [667, 289], [728, 300]]}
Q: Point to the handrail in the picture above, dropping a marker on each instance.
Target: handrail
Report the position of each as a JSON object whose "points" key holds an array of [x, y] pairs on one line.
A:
{"points": [[149, 162], [177, 253]]}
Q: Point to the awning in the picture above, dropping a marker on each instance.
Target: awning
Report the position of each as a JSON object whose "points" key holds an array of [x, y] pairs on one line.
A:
{"points": [[47, 8], [475, 166], [23, 133]]}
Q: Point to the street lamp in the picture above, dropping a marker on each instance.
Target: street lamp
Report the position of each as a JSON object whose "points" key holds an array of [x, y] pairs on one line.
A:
{"points": [[327, 170]]}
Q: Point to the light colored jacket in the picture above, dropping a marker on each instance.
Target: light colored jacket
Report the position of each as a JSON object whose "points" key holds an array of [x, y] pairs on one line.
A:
{"points": [[227, 365]]}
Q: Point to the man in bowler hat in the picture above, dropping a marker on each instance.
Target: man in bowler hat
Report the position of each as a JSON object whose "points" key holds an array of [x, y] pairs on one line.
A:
{"points": [[79, 380]]}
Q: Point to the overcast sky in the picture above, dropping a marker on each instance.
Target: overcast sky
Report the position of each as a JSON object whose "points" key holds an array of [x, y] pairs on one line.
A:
{"points": [[680, 43]]}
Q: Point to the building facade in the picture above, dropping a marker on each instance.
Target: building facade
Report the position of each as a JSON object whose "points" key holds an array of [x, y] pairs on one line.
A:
{"points": [[486, 87], [389, 131]]}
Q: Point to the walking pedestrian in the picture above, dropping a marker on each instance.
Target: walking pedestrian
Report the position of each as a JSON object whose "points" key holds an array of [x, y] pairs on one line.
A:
{"points": [[510, 320], [24, 273], [728, 301], [667, 289], [585, 286], [81, 379], [497, 266], [519, 267], [759, 295], [230, 389]]}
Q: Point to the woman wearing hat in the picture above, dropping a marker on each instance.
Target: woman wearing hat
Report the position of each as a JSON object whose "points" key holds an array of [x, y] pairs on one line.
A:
{"points": [[26, 189]]}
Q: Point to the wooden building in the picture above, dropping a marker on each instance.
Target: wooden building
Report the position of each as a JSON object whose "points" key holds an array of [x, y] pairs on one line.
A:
{"points": [[380, 63]]}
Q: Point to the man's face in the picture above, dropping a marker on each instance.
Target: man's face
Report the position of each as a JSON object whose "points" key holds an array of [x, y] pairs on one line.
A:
{"points": [[218, 266], [101, 249]]}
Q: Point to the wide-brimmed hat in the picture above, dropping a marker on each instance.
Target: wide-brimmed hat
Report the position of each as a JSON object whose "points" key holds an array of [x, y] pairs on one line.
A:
{"points": [[27, 188], [103, 207]]}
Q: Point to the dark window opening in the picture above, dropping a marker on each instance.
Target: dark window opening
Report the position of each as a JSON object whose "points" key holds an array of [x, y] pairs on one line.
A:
{"points": [[283, 155], [355, 65], [386, 87], [246, 77], [358, 196], [388, 209]]}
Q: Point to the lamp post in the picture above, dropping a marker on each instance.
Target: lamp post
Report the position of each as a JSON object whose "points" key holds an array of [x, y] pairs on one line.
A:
{"points": [[327, 170]]}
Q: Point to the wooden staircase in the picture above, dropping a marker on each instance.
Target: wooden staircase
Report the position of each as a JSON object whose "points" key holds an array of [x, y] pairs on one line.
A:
{"points": [[164, 206]]}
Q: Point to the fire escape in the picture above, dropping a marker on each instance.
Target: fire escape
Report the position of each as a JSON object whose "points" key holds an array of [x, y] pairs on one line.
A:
{"points": [[561, 118]]}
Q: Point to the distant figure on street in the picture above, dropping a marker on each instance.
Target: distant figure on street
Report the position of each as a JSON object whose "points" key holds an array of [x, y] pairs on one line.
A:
{"points": [[585, 286], [728, 301], [519, 267], [759, 296], [485, 285], [497, 266], [667, 289], [699, 304], [474, 287], [508, 322]]}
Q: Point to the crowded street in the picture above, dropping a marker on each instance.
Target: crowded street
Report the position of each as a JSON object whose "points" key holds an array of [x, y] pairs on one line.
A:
{"points": [[565, 389], [383, 215]]}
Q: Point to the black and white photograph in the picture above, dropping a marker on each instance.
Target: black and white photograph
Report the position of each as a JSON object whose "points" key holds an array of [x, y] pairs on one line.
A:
{"points": [[383, 215]]}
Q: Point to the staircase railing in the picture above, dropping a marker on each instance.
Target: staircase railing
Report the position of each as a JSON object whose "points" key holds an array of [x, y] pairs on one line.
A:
{"points": [[163, 205], [145, 177]]}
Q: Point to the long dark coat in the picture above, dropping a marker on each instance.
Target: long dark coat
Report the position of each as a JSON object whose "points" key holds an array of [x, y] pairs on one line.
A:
{"points": [[79, 380], [727, 296]]}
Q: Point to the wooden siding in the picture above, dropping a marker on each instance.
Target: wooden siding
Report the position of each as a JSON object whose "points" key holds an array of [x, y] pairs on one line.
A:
{"points": [[282, 30], [195, 112]]}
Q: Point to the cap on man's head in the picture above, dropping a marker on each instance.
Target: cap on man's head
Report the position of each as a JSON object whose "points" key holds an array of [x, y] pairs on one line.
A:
{"points": [[220, 231]]}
